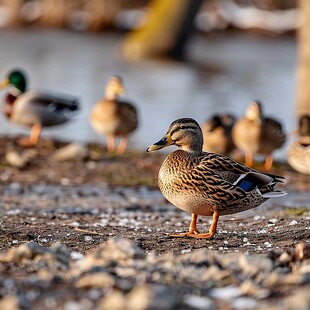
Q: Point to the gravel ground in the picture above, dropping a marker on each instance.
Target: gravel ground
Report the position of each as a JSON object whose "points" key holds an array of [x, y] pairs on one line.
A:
{"points": [[93, 233]]}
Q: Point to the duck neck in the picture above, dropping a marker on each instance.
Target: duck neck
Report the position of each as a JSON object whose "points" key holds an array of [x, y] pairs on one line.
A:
{"points": [[112, 92], [111, 95], [20, 86], [194, 147], [9, 103], [15, 91]]}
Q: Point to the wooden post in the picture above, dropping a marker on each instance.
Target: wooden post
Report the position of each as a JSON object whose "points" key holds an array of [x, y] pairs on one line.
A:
{"points": [[167, 31], [303, 66]]}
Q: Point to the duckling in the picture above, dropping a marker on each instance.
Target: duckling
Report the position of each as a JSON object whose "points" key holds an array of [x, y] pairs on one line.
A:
{"points": [[208, 184], [299, 151], [114, 117], [217, 134], [34, 109], [256, 134]]}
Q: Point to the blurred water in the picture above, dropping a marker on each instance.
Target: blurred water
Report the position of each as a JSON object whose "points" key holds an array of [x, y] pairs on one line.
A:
{"points": [[225, 73]]}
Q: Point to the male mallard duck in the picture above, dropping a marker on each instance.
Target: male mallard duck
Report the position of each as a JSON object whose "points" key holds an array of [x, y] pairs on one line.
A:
{"points": [[34, 109], [256, 134], [205, 183], [114, 117], [298, 155], [217, 134]]}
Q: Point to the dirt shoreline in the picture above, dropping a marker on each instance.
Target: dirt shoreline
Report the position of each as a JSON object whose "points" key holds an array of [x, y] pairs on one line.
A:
{"points": [[83, 203]]}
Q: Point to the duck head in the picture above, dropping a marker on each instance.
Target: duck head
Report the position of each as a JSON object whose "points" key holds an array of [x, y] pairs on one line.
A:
{"points": [[114, 87], [185, 133], [15, 78], [254, 111]]}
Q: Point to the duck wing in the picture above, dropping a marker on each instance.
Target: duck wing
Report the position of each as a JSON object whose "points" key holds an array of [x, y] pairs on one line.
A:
{"points": [[128, 116], [57, 102], [273, 123], [43, 108], [273, 135], [228, 181]]}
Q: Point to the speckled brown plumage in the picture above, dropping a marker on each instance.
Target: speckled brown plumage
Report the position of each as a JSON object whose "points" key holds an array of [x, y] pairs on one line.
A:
{"points": [[256, 134], [298, 155], [217, 134], [205, 183], [114, 117]]}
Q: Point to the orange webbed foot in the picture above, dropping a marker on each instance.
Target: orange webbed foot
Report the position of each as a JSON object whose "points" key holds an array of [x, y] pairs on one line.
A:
{"points": [[186, 234], [194, 233], [208, 235]]}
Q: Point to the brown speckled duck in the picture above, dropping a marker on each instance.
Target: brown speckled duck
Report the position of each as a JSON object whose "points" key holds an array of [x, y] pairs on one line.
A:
{"points": [[298, 155], [256, 134], [217, 134], [114, 117], [210, 184], [35, 109]]}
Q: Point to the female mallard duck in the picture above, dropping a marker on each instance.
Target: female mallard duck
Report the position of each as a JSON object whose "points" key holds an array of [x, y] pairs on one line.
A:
{"points": [[256, 134], [114, 117], [208, 183], [299, 152], [34, 109], [217, 134]]}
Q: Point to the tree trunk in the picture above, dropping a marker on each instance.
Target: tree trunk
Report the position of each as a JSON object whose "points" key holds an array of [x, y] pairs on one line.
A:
{"points": [[303, 69], [167, 31]]}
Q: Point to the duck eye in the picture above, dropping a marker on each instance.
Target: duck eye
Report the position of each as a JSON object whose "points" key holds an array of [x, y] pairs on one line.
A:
{"points": [[182, 127]]}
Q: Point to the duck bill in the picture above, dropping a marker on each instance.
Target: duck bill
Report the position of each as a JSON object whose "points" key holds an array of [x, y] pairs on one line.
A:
{"points": [[4, 83], [164, 142]]}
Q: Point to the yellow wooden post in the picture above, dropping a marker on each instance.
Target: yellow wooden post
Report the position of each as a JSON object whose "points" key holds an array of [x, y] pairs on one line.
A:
{"points": [[167, 30]]}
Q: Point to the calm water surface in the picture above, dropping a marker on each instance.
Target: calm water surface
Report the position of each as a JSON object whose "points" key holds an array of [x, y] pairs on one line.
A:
{"points": [[225, 74]]}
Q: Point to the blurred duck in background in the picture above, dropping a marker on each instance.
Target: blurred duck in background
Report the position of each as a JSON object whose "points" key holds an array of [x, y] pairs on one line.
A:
{"points": [[298, 155], [256, 134], [114, 117], [34, 109], [217, 134]]}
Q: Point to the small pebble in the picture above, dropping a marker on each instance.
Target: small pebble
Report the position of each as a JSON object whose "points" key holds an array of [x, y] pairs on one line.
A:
{"points": [[267, 244], [244, 303], [184, 251], [227, 292], [198, 302], [293, 222], [262, 231], [273, 221], [64, 181]]}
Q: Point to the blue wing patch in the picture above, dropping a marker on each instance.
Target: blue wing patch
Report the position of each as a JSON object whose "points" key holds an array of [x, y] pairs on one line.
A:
{"points": [[246, 185]]}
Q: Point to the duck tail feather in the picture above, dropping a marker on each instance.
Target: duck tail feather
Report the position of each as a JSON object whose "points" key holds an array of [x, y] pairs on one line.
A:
{"points": [[277, 178], [274, 194]]}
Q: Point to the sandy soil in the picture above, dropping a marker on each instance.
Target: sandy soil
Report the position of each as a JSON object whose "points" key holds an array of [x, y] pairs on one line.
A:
{"points": [[84, 202], [46, 197]]}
